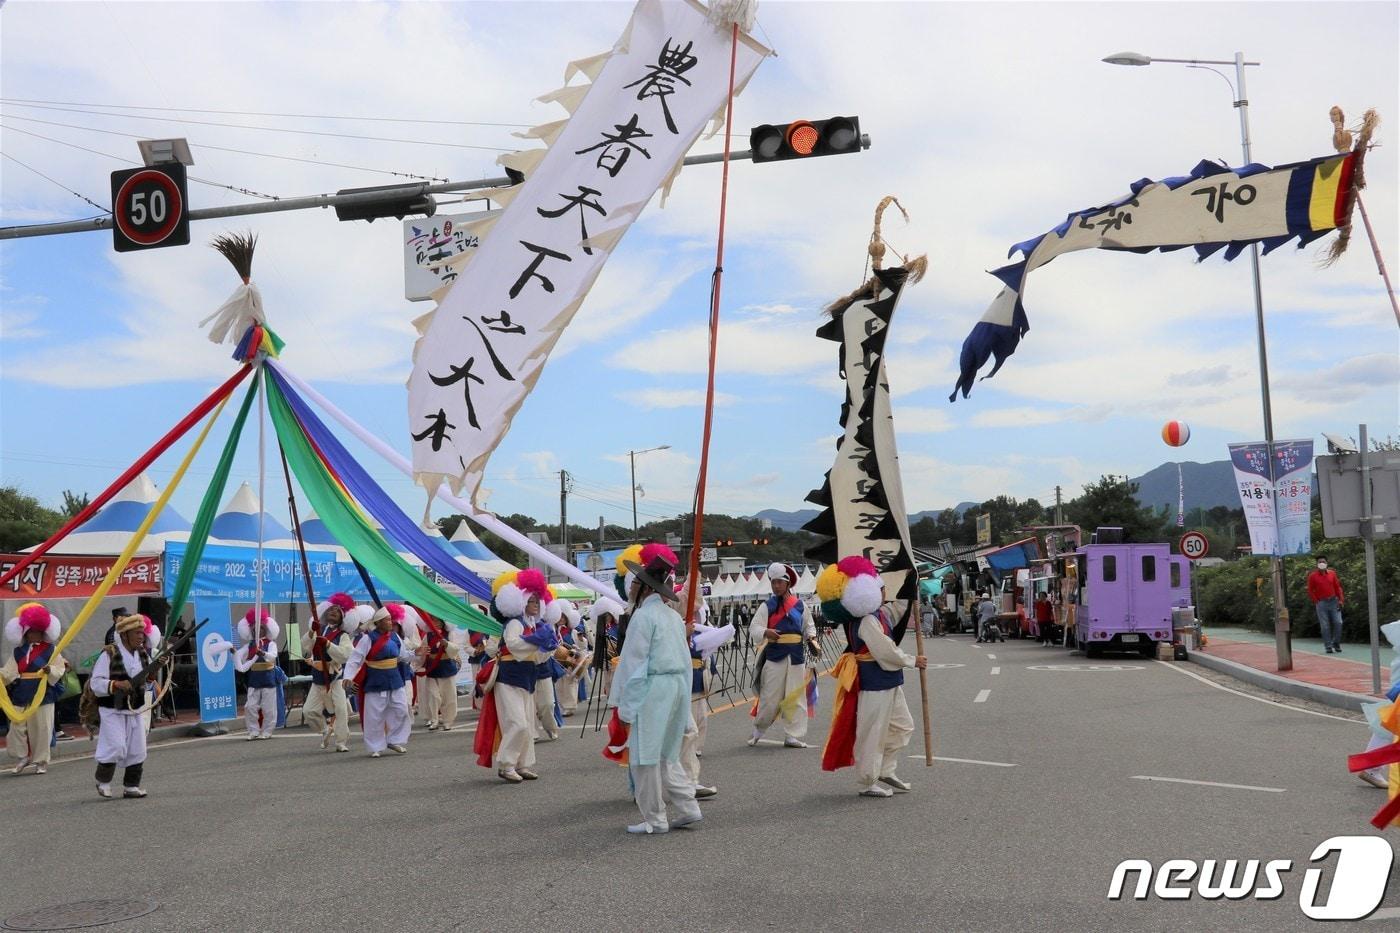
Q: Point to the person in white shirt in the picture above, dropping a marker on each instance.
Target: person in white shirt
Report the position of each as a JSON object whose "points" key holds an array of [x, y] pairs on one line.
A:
{"points": [[121, 737]]}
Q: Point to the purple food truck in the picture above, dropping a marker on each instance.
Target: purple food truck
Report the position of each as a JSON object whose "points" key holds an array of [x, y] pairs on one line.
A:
{"points": [[1126, 596]]}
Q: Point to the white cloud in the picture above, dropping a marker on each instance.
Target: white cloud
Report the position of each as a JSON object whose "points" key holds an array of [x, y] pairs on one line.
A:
{"points": [[1028, 416], [755, 349], [541, 462], [650, 399], [912, 419]]}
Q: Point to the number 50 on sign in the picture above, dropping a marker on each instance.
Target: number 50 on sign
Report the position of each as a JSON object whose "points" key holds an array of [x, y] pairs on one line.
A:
{"points": [[149, 208]]}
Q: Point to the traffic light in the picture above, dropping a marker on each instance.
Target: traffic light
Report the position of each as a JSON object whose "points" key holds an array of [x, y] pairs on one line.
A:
{"points": [[396, 201], [759, 541], [724, 542], [774, 142]]}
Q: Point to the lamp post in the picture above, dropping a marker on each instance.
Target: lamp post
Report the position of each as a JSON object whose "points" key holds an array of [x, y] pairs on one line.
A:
{"points": [[632, 459], [1241, 103]]}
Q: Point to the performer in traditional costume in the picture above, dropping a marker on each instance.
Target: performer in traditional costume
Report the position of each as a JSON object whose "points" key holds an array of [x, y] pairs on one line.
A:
{"points": [[478, 653], [870, 723], [121, 737], [783, 629], [572, 687], [406, 625], [376, 668], [505, 733], [257, 657], [548, 670], [441, 664], [33, 632], [327, 651], [651, 692], [704, 640]]}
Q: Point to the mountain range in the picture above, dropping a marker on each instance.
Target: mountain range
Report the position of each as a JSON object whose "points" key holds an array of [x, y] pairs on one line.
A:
{"points": [[1207, 485]]}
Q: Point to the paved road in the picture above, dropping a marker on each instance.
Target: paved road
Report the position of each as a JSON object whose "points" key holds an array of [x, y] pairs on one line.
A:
{"points": [[1037, 795]]}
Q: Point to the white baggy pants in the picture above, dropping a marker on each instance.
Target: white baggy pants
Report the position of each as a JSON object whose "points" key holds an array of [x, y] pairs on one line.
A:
{"points": [[515, 711], [260, 710], [30, 739], [313, 710], [883, 728], [567, 691], [439, 702], [544, 707], [780, 679], [386, 718], [660, 784], [693, 745], [121, 739]]}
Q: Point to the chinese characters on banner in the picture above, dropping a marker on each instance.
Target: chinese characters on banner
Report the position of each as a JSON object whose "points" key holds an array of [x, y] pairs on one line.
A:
{"points": [[56, 576], [485, 345], [1293, 480], [862, 499]]}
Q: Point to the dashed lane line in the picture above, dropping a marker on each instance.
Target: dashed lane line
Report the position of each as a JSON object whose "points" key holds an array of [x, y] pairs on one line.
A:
{"points": [[1145, 777], [996, 670], [982, 696]]}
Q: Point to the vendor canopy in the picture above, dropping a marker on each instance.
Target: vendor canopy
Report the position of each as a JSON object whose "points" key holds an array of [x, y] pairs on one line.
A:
{"points": [[238, 523], [479, 558], [110, 530]]}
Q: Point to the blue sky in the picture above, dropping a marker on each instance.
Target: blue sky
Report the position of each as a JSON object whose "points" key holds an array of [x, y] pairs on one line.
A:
{"points": [[990, 121]]}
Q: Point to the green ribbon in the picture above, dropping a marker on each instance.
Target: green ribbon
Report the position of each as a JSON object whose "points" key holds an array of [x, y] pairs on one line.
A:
{"points": [[209, 507], [353, 531]]}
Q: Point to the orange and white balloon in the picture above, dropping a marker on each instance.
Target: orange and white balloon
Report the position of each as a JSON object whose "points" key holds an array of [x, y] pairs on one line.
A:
{"points": [[1176, 433]]}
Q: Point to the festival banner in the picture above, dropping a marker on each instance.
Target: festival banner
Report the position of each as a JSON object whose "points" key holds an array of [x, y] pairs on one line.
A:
{"points": [[862, 500], [218, 700], [1290, 532], [1210, 209], [62, 576], [484, 347], [231, 571]]}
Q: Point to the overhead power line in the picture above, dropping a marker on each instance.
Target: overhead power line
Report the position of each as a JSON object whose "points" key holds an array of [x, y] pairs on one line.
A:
{"points": [[105, 210], [276, 129], [202, 181], [53, 104], [265, 155]]}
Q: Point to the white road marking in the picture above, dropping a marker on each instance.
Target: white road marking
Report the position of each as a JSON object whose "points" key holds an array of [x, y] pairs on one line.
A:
{"points": [[992, 657], [996, 670], [982, 696], [969, 761], [1385, 913], [1144, 777], [1180, 669]]}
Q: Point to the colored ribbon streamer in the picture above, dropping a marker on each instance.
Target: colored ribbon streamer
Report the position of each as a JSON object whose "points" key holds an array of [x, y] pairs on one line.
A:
{"points": [[118, 566], [355, 534], [145, 460], [369, 494]]}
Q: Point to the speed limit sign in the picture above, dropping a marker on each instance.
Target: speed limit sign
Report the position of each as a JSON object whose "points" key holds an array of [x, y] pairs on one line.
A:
{"points": [[149, 208], [1194, 545]]}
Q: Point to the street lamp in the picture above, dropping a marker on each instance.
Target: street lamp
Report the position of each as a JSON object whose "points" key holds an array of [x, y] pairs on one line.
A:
{"points": [[632, 458], [1241, 102]]}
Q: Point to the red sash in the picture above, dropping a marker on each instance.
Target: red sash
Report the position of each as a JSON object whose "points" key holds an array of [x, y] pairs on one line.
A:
{"points": [[618, 732], [488, 728], [34, 651], [778, 614]]}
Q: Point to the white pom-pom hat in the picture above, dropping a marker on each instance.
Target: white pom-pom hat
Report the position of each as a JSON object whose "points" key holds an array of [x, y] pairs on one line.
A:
{"points": [[33, 616], [269, 627], [605, 606]]}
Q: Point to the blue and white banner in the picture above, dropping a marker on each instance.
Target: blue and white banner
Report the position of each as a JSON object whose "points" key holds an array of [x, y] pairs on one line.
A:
{"points": [[217, 697], [234, 571], [1279, 523]]}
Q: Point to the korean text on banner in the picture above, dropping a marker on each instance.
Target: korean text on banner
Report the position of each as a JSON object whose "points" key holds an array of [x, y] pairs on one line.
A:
{"points": [[59, 576], [1290, 532], [485, 345], [217, 698]]}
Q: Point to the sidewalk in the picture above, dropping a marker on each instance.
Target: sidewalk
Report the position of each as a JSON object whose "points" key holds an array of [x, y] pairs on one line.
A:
{"points": [[1340, 680]]}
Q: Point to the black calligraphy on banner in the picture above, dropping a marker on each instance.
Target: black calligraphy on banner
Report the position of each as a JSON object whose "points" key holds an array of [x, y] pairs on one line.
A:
{"points": [[617, 147], [585, 199], [661, 79], [1218, 195]]}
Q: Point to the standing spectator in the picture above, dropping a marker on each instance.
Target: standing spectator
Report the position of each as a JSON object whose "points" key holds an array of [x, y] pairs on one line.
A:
{"points": [[1044, 619], [1325, 590], [930, 619], [118, 614]]}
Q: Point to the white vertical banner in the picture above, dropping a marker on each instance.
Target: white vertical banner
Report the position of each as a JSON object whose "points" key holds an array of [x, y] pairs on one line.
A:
{"points": [[484, 347]]}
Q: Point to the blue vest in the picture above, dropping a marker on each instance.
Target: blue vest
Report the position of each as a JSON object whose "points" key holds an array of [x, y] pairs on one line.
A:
{"points": [[872, 675], [390, 678], [790, 624], [521, 674], [23, 689], [444, 667], [257, 680], [697, 671], [320, 654]]}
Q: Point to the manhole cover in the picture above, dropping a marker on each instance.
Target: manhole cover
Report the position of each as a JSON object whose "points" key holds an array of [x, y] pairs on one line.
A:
{"points": [[78, 915], [1083, 667]]}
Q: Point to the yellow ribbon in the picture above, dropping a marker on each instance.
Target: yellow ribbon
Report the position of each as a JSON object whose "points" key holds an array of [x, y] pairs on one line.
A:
{"points": [[109, 581]]}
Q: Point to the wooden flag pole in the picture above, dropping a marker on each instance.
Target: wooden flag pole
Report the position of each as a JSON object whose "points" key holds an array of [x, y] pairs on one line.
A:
{"points": [[923, 681]]}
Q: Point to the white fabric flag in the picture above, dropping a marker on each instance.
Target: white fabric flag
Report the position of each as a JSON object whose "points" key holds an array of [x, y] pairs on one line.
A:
{"points": [[484, 347]]}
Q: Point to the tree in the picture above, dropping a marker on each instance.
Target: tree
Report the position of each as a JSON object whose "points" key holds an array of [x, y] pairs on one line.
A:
{"points": [[1111, 502], [24, 522], [73, 503]]}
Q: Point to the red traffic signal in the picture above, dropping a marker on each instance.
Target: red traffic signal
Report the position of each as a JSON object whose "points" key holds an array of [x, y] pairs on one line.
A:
{"points": [[774, 142]]}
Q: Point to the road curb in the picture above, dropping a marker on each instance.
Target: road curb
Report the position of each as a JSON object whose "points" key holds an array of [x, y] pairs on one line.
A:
{"points": [[1328, 696]]}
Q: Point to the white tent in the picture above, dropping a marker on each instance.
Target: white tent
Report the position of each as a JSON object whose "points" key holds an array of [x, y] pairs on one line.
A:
{"points": [[237, 524], [110, 530], [806, 582], [477, 556]]}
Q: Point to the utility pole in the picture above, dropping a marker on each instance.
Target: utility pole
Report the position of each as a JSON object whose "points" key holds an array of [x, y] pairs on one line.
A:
{"points": [[564, 511], [602, 534], [1059, 508]]}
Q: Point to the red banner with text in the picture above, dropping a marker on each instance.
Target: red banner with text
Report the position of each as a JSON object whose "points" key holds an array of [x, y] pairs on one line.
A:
{"points": [[77, 576]]}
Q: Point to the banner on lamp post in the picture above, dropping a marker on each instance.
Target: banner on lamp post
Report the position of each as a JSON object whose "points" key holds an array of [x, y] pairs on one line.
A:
{"points": [[1279, 518]]}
